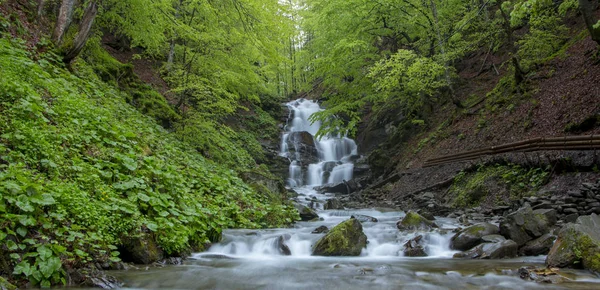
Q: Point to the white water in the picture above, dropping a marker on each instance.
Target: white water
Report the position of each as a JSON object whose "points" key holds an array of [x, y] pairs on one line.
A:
{"points": [[332, 150]]}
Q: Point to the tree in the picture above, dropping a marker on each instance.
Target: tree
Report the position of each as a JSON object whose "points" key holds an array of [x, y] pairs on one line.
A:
{"points": [[587, 8]]}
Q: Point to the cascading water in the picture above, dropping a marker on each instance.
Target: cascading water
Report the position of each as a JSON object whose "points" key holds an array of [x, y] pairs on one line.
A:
{"points": [[332, 162], [281, 258]]}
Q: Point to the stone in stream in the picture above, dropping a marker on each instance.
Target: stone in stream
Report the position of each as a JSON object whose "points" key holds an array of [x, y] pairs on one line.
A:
{"points": [[320, 230], [414, 247], [333, 203], [364, 218], [281, 246], [306, 214], [471, 236], [345, 239], [140, 250], [539, 246], [577, 244], [500, 250], [526, 224], [541, 275], [414, 221]]}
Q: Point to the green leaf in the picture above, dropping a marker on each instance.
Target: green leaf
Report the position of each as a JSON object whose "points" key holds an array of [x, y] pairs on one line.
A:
{"points": [[23, 268], [27, 220], [129, 163], [114, 259], [11, 245], [2, 236], [44, 252], [22, 231], [47, 268], [42, 199], [12, 187], [23, 203], [143, 197], [152, 226], [15, 256]]}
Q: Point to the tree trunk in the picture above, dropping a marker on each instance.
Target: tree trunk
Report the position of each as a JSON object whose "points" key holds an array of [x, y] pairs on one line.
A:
{"points": [[587, 8], [40, 8], [85, 27], [65, 15]]}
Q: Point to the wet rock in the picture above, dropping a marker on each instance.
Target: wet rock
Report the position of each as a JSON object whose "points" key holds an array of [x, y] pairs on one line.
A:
{"points": [[306, 214], [282, 247], [539, 246], [364, 218], [493, 239], [320, 230], [140, 250], [426, 214], [471, 236], [92, 277], [577, 244], [541, 275], [333, 203], [414, 221], [345, 187], [414, 247], [526, 224], [345, 239], [500, 250]]}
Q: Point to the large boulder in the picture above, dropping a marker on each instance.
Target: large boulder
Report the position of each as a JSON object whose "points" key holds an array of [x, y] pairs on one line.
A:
{"points": [[414, 221], [577, 244], [333, 203], [302, 148], [539, 246], [345, 239], [471, 236], [499, 250], [526, 224], [306, 214]]}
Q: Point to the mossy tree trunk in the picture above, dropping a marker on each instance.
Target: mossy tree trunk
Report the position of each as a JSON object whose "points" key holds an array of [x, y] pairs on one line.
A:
{"points": [[85, 27], [587, 8], [63, 20]]}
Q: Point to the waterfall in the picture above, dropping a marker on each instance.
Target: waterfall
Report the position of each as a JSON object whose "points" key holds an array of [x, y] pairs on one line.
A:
{"points": [[314, 161]]}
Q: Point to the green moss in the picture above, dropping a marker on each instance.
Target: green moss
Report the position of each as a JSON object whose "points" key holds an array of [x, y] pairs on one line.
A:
{"points": [[345, 239], [5, 285], [414, 221]]}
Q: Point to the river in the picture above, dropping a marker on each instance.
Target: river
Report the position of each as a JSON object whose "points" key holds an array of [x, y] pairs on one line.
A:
{"points": [[253, 259]]}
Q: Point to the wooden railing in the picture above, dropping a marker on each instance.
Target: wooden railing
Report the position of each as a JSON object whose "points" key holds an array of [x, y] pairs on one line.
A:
{"points": [[586, 142]]}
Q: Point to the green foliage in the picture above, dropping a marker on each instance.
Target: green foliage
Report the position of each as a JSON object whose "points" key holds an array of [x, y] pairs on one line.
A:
{"points": [[80, 169], [470, 188]]}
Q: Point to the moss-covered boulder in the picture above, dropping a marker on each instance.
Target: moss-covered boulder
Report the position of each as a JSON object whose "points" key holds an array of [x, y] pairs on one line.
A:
{"points": [[414, 221], [526, 224], [140, 250], [472, 236], [577, 244], [5, 285], [345, 239]]}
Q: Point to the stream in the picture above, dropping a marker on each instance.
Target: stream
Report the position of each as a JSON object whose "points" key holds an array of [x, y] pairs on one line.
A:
{"points": [[254, 259]]}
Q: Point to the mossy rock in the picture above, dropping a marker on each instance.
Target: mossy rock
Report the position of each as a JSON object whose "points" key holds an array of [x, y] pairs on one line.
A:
{"points": [[577, 245], [306, 214], [345, 239], [5, 285], [140, 250], [472, 236], [414, 221], [526, 224]]}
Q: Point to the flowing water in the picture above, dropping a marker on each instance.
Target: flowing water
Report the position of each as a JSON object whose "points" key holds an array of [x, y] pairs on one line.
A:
{"points": [[253, 259]]}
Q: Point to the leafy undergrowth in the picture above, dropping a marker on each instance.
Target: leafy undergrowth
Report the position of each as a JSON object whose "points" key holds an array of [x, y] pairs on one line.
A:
{"points": [[80, 169], [496, 184]]}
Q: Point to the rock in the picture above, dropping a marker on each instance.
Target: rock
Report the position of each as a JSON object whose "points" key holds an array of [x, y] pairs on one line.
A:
{"points": [[526, 224], [471, 236], [426, 214], [306, 214], [92, 277], [140, 250], [577, 244], [281, 246], [5, 285], [414, 247], [539, 246], [364, 218], [500, 250], [414, 221], [571, 218], [541, 275], [345, 239], [493, 239], [320, 230], [345, 187], [333, 203]]}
